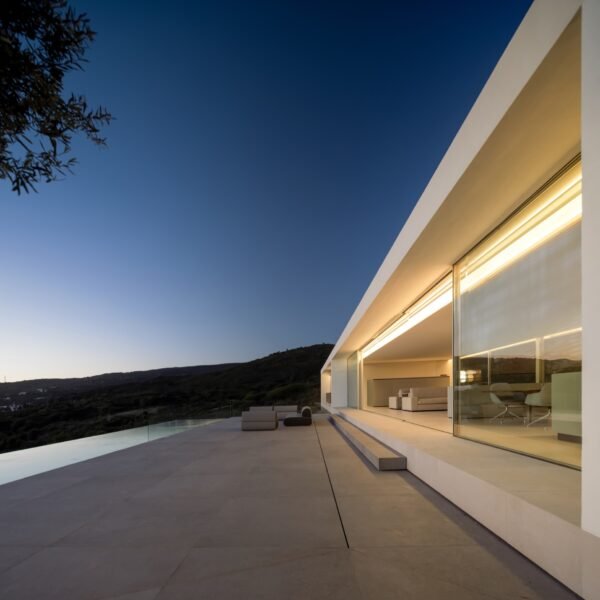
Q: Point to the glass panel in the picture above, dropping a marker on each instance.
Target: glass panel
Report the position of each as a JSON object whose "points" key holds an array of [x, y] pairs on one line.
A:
{"points": [[353, 366], [514, 364], [517, 337]]}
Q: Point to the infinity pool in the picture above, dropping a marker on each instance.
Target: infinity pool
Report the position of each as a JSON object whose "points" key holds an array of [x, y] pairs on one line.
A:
{"points": [[23, 463]]}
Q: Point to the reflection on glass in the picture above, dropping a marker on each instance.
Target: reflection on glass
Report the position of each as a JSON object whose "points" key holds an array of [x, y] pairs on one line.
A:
{"points": [[517, 336], [353, 380]]}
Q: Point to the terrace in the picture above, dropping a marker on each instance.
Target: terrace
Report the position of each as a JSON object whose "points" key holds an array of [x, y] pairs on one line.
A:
{"points": [[217, 512]]}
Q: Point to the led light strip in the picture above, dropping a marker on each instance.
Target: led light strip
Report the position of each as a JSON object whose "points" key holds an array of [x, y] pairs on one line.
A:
{"points": [[483, 353], [564, 217], [550, 336], [561, 333], [432, 302], [441, 295]]}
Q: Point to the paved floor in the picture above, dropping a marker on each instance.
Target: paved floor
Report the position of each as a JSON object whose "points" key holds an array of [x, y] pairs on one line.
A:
{"points": [[220, 513]]}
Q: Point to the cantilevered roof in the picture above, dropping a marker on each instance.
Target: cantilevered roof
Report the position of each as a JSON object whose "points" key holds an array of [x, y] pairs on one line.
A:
{"points": [[522, 129]]}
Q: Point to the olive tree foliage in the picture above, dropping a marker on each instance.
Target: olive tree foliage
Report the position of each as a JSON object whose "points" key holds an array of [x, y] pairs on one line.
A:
{"points": [[40, 42]]}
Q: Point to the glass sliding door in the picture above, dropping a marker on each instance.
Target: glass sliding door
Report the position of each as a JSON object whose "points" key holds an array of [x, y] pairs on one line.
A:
{"points": [[517, 329], [353, 380]]}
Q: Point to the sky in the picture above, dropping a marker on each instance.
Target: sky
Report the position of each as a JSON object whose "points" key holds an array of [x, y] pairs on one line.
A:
{"points": [[263, 159]]}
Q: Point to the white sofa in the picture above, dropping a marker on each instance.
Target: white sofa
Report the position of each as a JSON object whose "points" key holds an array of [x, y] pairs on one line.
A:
{"points": [[426, 398]]}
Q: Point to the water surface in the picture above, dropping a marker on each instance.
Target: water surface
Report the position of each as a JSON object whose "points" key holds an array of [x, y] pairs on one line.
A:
{"points": [[24, 463]]}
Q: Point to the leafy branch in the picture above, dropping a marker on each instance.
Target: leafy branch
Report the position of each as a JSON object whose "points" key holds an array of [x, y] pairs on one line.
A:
{"points": [[41, 41]]}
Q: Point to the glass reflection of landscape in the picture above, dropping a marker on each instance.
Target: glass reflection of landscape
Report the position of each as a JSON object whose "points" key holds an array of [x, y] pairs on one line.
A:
{"points": [[518, 330]]}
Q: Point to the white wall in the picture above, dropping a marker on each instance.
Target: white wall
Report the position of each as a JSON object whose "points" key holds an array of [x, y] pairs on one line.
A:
{"points": [[339, 382], [538, 295], [353, 379], [590, 496], [325, 386]]}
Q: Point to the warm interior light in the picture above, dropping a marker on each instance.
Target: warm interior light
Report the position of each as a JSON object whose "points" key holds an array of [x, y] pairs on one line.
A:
{"points": [[469, 375], [561, 333], [483, 353], [564, 217], [432, 302], [501, 255]]}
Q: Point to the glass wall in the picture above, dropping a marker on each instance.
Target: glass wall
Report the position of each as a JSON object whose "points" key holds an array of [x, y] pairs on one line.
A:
{"points": [[517, 329], [353, 380]]}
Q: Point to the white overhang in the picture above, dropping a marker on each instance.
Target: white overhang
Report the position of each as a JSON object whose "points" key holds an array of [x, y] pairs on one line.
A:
{"points": [[524, 126]]}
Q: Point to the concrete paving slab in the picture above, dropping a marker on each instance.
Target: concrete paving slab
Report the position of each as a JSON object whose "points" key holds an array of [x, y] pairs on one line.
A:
{"points": [[13, 555], [143, 595], [350, 481], [137, 525], [254, 522], [38, 486], [220, 513], [432, 573], [61, 573], [403, 520], [265, 574]]}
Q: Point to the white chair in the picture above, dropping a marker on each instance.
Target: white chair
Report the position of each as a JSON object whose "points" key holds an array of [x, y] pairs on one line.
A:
{"points": [[395, 402], [542, 398]]}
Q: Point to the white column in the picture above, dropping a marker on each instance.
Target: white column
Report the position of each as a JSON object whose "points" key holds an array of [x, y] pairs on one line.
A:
{"points": [[590, 131], [339, 382], [325, 387]]}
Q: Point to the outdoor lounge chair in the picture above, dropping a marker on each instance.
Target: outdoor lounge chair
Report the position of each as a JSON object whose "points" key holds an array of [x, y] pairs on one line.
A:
{"points": [[302, 419], [259, 420], [282, 410]]}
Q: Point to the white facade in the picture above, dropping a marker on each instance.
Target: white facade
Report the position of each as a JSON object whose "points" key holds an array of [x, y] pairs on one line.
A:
{"points": [[590, 133], [539, 111]]}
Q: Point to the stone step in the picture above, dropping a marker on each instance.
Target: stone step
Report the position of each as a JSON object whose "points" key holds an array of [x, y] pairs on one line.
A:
{"points": [[380, 456]]}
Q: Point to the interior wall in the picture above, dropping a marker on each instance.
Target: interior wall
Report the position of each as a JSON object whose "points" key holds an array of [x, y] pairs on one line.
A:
{"points": [[405, 368]]}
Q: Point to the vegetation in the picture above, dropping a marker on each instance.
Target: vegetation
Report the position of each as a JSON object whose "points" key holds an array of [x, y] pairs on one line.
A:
{"points": [[290, 377], [40, 42]]}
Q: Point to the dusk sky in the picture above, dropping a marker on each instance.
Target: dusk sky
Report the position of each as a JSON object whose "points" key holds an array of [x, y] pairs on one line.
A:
{"points": [[264, 157]]}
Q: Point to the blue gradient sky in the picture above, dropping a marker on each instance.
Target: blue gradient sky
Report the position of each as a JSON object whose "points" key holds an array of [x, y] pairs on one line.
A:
{"points": [[264, 158]]}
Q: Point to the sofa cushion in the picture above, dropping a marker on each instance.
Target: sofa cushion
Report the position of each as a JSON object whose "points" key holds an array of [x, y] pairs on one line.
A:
{"points": [[432, 400], [259, 415]]}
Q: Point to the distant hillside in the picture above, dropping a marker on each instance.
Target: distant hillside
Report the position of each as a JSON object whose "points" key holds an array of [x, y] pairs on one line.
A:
{"points": [[37, 387], [76, 408]]}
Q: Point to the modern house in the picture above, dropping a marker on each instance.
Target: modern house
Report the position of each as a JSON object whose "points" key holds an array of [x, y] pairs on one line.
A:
{"points": [[474, 349]]}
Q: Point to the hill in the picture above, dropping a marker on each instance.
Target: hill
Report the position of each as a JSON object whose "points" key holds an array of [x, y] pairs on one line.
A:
{"points": [[46, 389], [89, 406]]}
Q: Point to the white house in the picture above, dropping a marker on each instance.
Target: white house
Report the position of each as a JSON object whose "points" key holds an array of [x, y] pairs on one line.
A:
{"points": [[473, 350]]}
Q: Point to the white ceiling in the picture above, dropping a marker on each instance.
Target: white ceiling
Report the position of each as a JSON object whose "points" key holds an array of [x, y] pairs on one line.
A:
{"points": [[431, 338]]}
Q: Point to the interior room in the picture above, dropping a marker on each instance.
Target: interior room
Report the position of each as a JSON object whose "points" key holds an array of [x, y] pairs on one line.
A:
{"points": [[407, 372], [515, 325]]}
